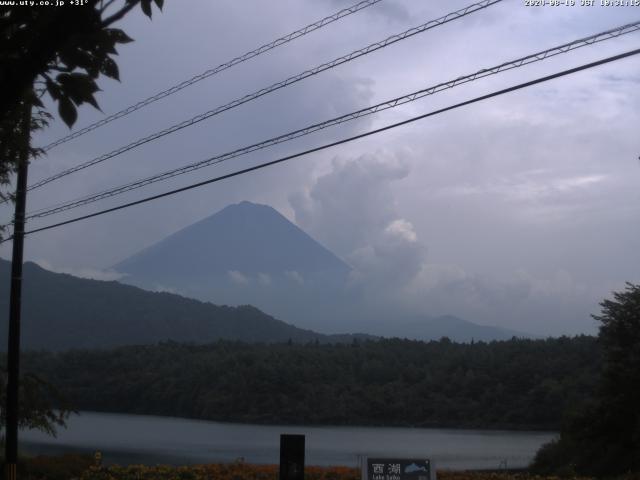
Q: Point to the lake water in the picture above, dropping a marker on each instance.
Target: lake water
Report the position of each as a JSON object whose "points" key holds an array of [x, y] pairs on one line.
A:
{"points": [[147, 439]]}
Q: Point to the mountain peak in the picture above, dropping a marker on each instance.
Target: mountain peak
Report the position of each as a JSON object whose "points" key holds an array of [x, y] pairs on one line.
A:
{"points": [[249, 238], [246, 206]]}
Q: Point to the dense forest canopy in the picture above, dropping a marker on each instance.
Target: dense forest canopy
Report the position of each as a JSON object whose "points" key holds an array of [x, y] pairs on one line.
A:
{"points": [[602, 437], [522, 384]]}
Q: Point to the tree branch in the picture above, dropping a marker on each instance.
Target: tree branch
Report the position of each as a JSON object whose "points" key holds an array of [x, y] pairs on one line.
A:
{"points": [[57, 68], [103, 8], [120, 13]]}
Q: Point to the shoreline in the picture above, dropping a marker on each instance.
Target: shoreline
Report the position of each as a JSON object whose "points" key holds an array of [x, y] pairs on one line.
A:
{"points": [[440, 427]]}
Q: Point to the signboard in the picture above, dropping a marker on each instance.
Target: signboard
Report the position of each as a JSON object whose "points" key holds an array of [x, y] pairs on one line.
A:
{"points": [[398, 469]]}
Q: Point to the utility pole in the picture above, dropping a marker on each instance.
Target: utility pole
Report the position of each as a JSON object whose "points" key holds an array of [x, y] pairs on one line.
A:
{"points": [[13, 351]]}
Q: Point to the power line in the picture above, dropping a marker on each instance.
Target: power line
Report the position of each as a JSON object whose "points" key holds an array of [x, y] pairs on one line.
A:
{"points": [[276, 86], [340, 142], [535, 57], [224, 66]]}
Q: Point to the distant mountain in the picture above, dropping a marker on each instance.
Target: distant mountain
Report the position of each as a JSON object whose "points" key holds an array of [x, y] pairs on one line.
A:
{"points": [[246, 238], [251, 254], [454, 328], [61, 312], [246, 254]]}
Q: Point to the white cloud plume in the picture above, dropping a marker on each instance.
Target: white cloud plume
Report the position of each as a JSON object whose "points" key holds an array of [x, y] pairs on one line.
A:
{"points": [[237, 277], [295, 276], [85, 272], [264, 279]]}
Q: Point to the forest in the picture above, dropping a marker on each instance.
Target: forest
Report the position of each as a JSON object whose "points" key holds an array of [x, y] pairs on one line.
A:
{"points": [[516, 384]]}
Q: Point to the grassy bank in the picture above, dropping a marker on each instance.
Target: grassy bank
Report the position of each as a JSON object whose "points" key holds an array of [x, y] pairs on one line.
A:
{"points": [[82, 467]]}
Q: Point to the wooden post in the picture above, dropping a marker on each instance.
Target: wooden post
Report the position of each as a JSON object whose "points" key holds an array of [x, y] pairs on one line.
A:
{"points": [[291, 457], [13, 352]]}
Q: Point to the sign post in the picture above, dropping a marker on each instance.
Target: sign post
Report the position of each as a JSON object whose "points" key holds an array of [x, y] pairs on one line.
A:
{"points": [[291, 457], [398, 469]]}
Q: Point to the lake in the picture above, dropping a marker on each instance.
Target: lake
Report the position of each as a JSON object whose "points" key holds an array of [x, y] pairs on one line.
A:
{"points": [[148, 439]]}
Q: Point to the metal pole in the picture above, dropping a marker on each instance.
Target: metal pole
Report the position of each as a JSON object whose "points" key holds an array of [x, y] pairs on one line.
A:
{"points": [[13, 352]]}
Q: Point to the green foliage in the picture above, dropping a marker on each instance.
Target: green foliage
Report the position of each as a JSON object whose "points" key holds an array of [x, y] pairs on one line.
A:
{"points": [[59, 51], [620, 339], [604, 438], [514, 384], [36, 399]]}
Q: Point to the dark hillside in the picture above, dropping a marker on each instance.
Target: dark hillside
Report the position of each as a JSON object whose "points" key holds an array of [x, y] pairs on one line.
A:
{"points": [[62, 312]]}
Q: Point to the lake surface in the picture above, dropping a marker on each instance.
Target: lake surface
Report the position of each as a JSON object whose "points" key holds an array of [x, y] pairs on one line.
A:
{"points": [[148, 439]]}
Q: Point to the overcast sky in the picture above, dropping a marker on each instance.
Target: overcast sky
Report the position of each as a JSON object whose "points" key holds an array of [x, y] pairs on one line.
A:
{"points": [[521, 211]]}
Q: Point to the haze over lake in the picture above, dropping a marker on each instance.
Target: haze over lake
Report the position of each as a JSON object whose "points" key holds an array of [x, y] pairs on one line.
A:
{"points": [[149, 439]]}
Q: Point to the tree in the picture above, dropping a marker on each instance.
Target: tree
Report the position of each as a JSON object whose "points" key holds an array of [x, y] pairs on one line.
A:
{"points": [[36, 399], [59, 51], [604, 439]]}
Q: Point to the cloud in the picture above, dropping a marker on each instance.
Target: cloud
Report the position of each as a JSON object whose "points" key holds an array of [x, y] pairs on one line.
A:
{"points": [[532, 186], [295, 276], [389, 261], [237, 277], [264, 279], [389, 10], [352, 210], [165, 289], [553, 305], [351, 203], [84, 272], [540, 196], [402, 228]]}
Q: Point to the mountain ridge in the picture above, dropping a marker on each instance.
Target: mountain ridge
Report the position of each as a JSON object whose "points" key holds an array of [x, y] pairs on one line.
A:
{"points": [[61, 311], [455, 328], [243, 255]]}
